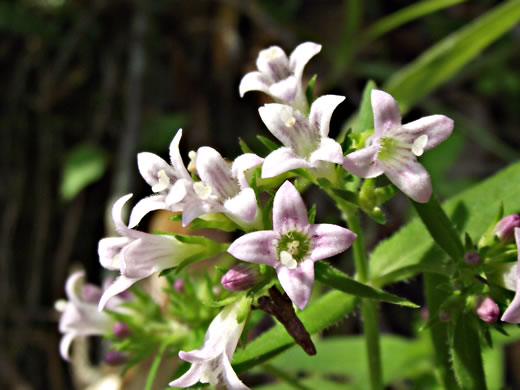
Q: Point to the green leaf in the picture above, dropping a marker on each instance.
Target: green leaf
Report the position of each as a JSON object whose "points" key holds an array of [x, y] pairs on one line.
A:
{"points": [[270, 145], [214, 221], [411, 249], [466, 354], [439, 63], [318, 315], [244, 147], [309, 91], [405, 15], [84, 165], [365, 119], [334, 278]]}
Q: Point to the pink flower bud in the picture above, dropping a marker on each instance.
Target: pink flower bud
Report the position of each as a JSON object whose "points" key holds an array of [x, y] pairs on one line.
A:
{"points": [[488, 310], [240, 277], [121, 330], [472, 258], [91, 294], [505, 228], [114, 358], [178, 285]]}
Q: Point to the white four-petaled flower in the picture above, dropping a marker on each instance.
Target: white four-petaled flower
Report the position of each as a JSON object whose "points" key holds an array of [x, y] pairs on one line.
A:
{"points": [[212, 362], [280, 76], [293, 245], [394, 148]]}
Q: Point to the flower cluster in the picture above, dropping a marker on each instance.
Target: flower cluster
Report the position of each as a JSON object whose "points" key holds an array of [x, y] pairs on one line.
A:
{"points": [[211, 187]]}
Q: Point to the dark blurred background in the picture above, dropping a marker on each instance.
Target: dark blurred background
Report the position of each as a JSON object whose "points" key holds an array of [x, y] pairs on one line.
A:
{"points": [[87, 84]]}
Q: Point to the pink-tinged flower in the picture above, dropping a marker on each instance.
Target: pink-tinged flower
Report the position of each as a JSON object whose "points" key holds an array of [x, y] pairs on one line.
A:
{"points": [[222, 188], [240, 277], [512, 313], [394, 148], [212, 362], [504, 228], [488, 310], [163, 178], [80, 315], [137, 254], [279, 76], [305, 139], [293, 245]]}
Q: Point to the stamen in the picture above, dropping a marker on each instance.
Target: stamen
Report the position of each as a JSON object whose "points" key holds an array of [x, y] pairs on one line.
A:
{"points": [[419, 144], [202, 190], [193, 156], [163, 181], [270, 53], [60, 305], [287, 260], [292, 247], [287, 117]]}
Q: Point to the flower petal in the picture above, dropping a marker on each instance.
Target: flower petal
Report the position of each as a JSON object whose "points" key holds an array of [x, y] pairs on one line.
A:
{"points": [[329, 150], [301, 56], [119, 285], [196, 207], [321, 112], [176, 159], [216, 172], [144, 206], [257, 247], [289, 211], [253, 81], [512, 313], [386, 112], [436, 127], [120, 226], [150, 165], [412, 179], [65, 342], [363, 162], [230, 377], [178, 193], [242, 164], [329, 240], [109, 250], [298, 282], [282, 160], [243, 205], [273, 62], [191, 377], [285, 89]]}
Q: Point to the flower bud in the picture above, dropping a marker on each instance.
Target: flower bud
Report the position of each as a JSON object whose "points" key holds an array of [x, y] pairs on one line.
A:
{"points": [[488, 310], [91, 294], [505, 228], [472, 258], [178, 285], [240, 277], [114, 358], [121, 330]]}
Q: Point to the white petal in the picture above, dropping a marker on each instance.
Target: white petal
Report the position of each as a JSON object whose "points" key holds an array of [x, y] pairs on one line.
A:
{"points": [[289, 211], [321, 112], [282, 160], [363, 162], [298, 282], [329, 150], [196, 207], [191, 377], [386, 112], [65, 343], [73, 287], [176, 159], [436, 127], [243, 205], [301, 56], [257, 247], [329, 240], [273, 62], [253, 81], [144, 206], [412, 179], [285, 89], [109, 250], [150, 165], [215, 172], [242, 164], [120, 226], [178, 194], [120, 284], [230, 377]]}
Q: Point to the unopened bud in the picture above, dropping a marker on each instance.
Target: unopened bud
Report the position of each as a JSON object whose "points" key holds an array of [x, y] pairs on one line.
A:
{"points": [[488, 310], [114, 358], [240, 277], [121, 330], [91, 294], [505, 228], [178, 285], [472, 258]]}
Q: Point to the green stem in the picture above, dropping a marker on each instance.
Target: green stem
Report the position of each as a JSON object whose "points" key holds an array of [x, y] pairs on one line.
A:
{"points": [[284, 377], [155, 366]]}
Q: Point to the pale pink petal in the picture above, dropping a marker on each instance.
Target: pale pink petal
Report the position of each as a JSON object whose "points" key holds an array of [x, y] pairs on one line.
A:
{"points": [[412, 179], [512, 313], [150, 164], [273, 62], [243, 205], [216, 172], [230, 377], [363, 162], [73, 287], [253, 81], [321, 112], [196, 207], [144, 206], [176, 159], [109, 250], [329, 240], [257, 247], [120, 226], [191, 377], [178, 193], [436, 127], [242, 164], [289, 211], [329, 150], [298, 282], [119, 285], [199, 355], [301, 56], [285, 89], [282, 160], [65, 342], [386, 112]]}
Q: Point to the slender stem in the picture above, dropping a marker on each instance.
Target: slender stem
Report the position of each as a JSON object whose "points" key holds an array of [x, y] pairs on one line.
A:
{"points": [[155, 366], [284, 377]]}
